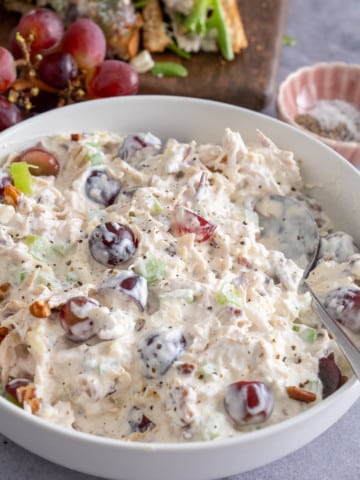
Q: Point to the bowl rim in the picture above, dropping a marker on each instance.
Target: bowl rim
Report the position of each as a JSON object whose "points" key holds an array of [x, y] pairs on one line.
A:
{"points": [[279, 104], [352, 385]]}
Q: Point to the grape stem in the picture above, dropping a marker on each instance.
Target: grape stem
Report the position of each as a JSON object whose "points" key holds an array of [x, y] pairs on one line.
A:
{"points": [[24, 84]]}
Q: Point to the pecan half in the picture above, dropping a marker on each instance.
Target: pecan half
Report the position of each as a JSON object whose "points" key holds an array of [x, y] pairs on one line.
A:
{"points": [[3, 332], [11, 195], [300, 394], [40, 309], [28, 396], [4, 290]]}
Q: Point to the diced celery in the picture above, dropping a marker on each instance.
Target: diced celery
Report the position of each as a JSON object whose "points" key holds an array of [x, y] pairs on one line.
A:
{"points": [[156, 208], [229, 295], [312, 385], [95, 155], [207, 371], [22, 276], [72, 276], [13, 400], [60, 248], [38, 247], [180, 293], [16, 275], [21, 176], [308, 334], [152, 269], [49, 281]]}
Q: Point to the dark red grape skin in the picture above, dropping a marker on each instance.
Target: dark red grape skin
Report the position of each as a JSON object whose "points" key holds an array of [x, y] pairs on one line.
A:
{"points": [[12, 386], [5, 179], [78, 327], [14, 45], [330, 375], [248, 402], [57, 69], [139, 422], [10, 114], [101, 188], [112, 243]]}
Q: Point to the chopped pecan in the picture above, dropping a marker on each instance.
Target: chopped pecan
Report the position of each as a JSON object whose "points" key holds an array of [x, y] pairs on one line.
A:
{"points": [[244, 261], [4, 290], [300, 394], [27, 395], [185, 368], [75, 137], [40, 309], [3, 332], [11, 195]]}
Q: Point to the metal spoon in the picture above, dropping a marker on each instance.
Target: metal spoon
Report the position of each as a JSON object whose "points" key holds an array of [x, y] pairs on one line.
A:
{"points": [[288, 226]]}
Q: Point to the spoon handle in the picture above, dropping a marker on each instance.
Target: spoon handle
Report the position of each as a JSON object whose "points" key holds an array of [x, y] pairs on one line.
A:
{"points": [[351, 352]]}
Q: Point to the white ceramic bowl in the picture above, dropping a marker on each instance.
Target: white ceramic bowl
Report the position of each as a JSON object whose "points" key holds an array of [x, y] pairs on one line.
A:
{"points": [[205, 121], [300, 91]]}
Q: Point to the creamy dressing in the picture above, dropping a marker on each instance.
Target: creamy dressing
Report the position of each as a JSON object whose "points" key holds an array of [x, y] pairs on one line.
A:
{"points": [[199, 304]]}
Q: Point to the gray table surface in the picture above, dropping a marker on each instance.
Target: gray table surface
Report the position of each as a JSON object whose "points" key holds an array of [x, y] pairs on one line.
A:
{"points": [[325, 30]]}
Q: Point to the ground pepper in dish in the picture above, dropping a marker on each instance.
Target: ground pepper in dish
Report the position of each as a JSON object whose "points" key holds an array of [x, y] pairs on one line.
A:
{"points": [[334, 119]]}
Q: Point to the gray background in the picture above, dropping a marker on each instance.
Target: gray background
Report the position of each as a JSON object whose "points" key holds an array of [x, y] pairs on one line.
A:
{"points": [[325, 30]]}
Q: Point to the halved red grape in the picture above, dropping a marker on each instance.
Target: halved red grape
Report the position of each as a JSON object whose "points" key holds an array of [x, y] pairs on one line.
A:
{"points": [[112, 78], [12, 386], [43, 162], [186, 221], [57, 69], [9, 114], [248, 402], [74, 318], [43, 27], [130, 284], [343, 304], [86, 42], [101, 188], [7, 69], [112, 243], [160, 350], [137, 142]]}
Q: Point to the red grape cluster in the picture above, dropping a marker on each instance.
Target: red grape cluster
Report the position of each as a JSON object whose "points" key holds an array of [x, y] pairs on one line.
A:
{"points": [[46, 66]]}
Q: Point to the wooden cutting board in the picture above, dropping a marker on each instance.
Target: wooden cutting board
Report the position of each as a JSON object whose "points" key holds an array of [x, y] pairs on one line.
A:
{"points": [[250, 80]]}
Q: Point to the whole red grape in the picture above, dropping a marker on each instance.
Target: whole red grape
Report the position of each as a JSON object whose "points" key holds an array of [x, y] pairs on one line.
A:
{"points": [[13, 44], [7, 69], [42, 161], [86, 42], [9, 114], [44, 27], [113, 78], [57, 69]]}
